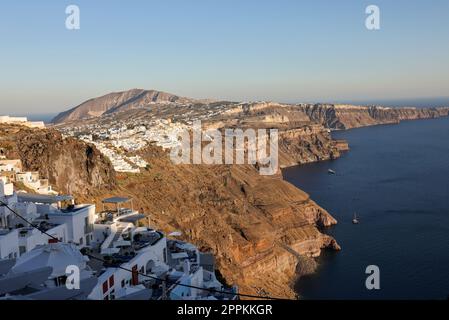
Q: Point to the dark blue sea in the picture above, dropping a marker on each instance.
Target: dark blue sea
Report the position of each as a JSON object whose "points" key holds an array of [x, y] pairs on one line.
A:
{"points": [[396, 177]]}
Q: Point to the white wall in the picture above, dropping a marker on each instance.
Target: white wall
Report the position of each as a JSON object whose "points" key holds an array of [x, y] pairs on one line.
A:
{"points": [[75, 223], [141, 260], [9, 245], [181, 292], [6, 189], [35, 237]]}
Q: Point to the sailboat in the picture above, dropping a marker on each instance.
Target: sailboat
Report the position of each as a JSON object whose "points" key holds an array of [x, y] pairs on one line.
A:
{"points": [[355, 220], [330, 171]]}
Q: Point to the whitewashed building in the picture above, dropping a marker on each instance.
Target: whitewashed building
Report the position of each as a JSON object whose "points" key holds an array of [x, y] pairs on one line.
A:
{"points": [[116, 258]]}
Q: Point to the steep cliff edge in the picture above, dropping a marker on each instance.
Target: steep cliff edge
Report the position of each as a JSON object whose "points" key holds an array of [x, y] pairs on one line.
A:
{"points": [[349, 116], [71, 166], [307, 144], [251, 223]]}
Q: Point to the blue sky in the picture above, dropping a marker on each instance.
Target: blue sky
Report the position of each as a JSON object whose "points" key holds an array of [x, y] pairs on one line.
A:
{"points": [[289, 51]]}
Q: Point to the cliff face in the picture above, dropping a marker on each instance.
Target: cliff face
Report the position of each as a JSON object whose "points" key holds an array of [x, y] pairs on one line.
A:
{"points": [[307, 144], [71, 165], [254, 225], [348, 116], [300, 139]]}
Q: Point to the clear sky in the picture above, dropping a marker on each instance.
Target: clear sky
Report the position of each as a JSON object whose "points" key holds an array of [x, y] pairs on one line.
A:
{"points": [[288, 51]]}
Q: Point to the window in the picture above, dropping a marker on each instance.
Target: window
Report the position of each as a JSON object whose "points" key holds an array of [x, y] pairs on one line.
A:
{"points": [[111, 281], [86, 225], [123, 283], [81, 241], [135, 276], [61, 281], [105, 287]]}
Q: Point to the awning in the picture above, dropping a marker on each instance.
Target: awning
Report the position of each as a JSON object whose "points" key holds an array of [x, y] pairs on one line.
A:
{"points": [[39, 198], [134, 218], [116, 200]]}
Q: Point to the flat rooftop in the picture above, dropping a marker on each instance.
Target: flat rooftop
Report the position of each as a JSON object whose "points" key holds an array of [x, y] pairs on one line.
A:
{"points": [[44, 199]]}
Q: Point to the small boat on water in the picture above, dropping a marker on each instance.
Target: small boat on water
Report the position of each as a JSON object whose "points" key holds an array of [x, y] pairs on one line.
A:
{"points": [[355, 220], [330, 171]]}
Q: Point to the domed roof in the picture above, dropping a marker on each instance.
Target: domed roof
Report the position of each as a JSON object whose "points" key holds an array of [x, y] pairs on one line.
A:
{"points": [[55, 255]]}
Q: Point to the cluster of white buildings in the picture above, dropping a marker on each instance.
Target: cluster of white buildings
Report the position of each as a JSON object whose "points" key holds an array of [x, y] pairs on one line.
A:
{"points": [[131, 135], [117, 140], [120, 162], [21, 121], [11, 171], [112, 256]]}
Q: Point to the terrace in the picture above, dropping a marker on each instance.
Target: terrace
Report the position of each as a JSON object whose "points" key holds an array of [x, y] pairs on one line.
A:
{"points": [[120, 214]]}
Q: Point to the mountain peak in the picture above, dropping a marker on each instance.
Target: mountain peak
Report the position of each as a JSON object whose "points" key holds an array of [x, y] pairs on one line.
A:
{"points": [[119, 101]]}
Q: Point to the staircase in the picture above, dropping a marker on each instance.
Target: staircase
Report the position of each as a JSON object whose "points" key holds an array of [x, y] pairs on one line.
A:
{"points": [[117, 236]]}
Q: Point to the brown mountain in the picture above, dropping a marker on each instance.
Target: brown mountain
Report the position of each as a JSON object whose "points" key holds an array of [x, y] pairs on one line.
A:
{"points": [[118, 101]]}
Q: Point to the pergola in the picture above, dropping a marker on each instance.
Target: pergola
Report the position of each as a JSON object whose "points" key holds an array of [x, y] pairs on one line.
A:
{"points": [[117, 201]]}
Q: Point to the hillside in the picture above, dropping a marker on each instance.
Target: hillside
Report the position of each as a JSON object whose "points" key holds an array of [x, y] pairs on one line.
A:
{"points": [[251, 223], [117, 102]]}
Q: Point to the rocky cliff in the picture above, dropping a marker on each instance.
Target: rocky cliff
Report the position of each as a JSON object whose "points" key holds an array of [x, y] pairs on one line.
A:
{"points": [[310, 143], [256, 226], [349, 116], [71, 165], [300, 139]]}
